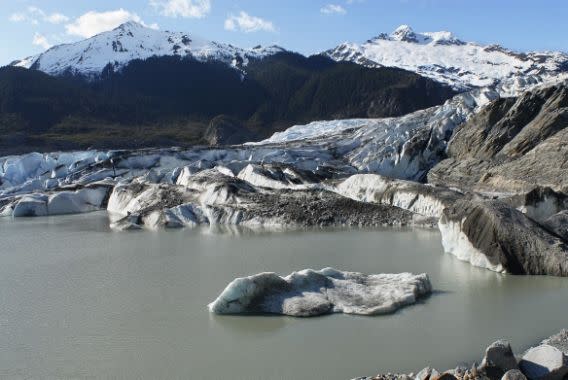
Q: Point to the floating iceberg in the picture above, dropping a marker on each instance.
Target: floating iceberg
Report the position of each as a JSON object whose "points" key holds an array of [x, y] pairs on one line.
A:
{"points": [[309, 293]]}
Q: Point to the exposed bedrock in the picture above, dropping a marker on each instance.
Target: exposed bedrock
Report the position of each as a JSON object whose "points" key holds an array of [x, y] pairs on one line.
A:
{"points": [[225, 130], [309, 293], [211, 197], [493, 235], [511, 145]]}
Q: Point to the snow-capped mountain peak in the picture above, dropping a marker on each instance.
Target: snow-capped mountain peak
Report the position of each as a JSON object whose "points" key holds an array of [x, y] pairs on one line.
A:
{"points": [[404, 33], [131, 41], [447, 59]]}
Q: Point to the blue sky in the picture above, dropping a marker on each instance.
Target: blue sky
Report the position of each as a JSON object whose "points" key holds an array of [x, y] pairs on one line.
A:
{"points": [[307, 26]]}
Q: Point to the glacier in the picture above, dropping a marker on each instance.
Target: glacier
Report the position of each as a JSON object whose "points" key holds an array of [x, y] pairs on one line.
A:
{"points": [[358, 172]]}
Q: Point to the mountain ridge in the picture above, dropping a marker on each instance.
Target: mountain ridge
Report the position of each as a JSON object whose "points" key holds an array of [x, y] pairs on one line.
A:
{"points": [[440, 56], [173, 100], [445, 58], [130, 41]]}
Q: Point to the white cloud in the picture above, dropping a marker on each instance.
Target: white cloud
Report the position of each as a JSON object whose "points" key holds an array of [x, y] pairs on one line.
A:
{"points": [[330, 9], [18, 17], [182, 8], [247, 23], [92, 23], [41, 40], [34, 14], [56, 18]]}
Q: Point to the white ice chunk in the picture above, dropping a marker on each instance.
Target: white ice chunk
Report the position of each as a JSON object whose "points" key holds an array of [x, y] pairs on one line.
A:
{"points": [[308, 293], [31, 205], [74, 202]]}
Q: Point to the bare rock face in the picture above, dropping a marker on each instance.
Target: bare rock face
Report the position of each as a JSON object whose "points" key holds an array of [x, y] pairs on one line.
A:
{"points": [[544, 362], [223, 130], [493, 235], [511, 145]]}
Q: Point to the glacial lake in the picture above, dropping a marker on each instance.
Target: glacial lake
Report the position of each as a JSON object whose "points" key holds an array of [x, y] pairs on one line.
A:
{"points": [[78, 300]]}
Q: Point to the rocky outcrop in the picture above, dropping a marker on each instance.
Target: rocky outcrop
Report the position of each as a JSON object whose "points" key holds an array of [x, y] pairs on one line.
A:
{"points": [[511, 145], [493, 235], [224, 130], [309, 293]]}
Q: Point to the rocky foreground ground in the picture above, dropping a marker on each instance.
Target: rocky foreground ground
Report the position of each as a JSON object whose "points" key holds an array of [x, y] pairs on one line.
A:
{"points": [[546, 361]]}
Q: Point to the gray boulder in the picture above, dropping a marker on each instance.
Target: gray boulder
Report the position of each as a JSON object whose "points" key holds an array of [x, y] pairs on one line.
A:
{"points": [[514, 374], [544, 362], [498, 359], [427, 373]]}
